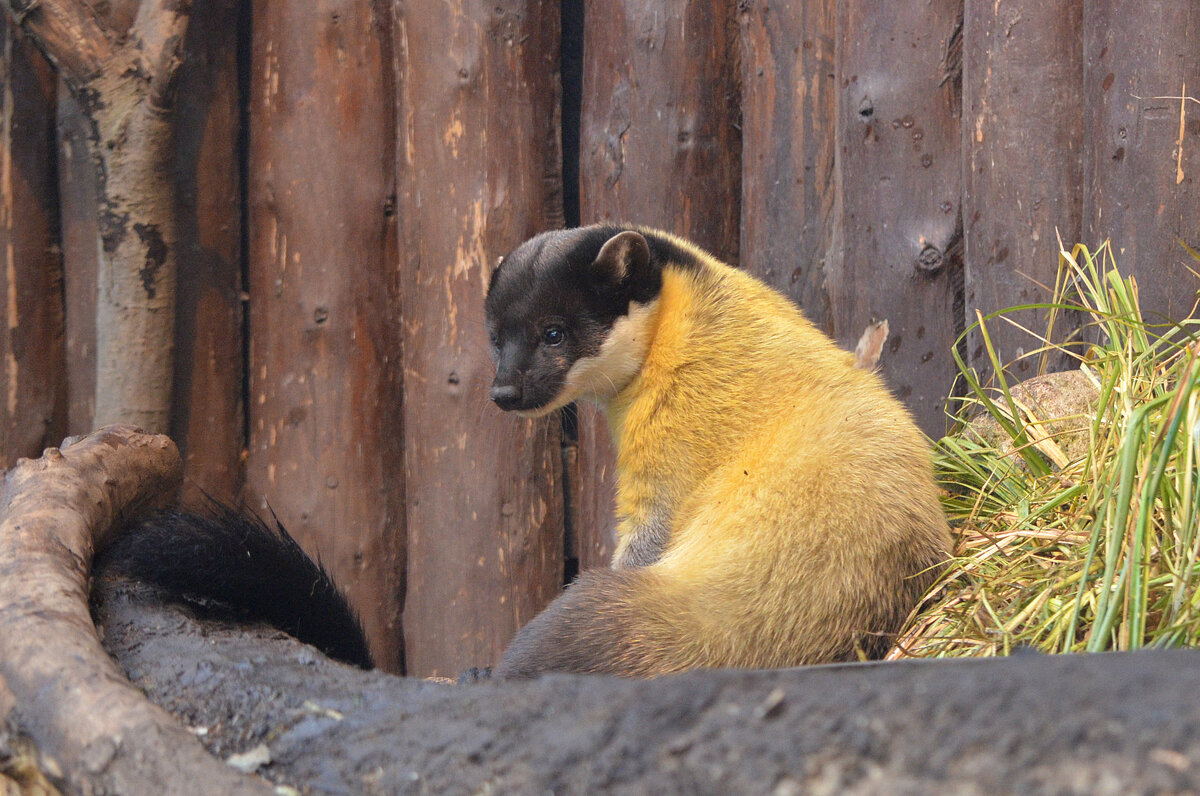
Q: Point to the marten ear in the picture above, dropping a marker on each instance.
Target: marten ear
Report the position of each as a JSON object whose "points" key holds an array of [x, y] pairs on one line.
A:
{"points": [[621, 259]]}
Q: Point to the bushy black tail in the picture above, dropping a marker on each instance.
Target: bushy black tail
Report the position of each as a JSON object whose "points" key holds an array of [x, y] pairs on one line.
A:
{"points": [[238, 559]]}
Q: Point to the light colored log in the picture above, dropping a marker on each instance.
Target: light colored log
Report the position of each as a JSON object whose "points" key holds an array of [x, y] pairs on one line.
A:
{"points": [[94, 732]]}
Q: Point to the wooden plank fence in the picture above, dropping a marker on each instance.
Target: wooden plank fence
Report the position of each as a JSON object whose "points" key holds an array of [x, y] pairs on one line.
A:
{"points": [[325, 442], [348, 172], [1015, 197], [480, 171], [32, 378]]}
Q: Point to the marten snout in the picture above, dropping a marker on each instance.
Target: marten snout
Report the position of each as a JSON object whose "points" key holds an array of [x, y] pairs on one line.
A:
{"points": [[506, 396]]}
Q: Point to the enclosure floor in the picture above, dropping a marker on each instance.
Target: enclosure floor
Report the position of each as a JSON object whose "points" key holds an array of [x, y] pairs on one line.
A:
{"points": [[1110, 723]]}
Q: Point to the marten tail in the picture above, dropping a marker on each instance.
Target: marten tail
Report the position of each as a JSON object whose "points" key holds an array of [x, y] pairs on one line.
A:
{"points": [[606, 622], [647, 621], [236, 558]]}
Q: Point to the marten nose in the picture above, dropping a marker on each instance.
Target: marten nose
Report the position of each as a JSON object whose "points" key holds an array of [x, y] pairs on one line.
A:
{"points": [[506, 396]]}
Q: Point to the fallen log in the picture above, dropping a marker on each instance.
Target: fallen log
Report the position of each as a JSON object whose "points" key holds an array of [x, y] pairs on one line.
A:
{"points": [[92, 731], [19, 772]]}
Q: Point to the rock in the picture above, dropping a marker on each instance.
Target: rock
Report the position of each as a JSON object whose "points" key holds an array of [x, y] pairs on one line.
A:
{"points": [[1058, 409]]}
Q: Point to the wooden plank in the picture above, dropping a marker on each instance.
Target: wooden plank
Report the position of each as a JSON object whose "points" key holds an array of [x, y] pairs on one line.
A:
{"points": [[480, 172], [1143, 151], [32, 384], [207, 422], [660, 146], [788, 142], [900, 181], [594, 490], [325, 443], [659, 141], [1023, 149], [81, 259]]}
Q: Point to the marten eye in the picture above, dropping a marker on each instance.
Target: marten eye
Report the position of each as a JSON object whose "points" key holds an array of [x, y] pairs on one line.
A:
{"points": [[553, 335]]}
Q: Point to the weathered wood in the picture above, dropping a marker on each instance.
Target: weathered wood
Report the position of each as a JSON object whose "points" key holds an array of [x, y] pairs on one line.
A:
{"points": [[135, 307], [660, 146], [126, 87], [19, 772], [325, 432], [788, 144], [118, 16], [206, 419], [480, 172], [68, 32], [900, 183], [32, 379], [80, 239], [207, 414], [659, 142], [1023, 147], [1142, 64], [80, 231], [93, 731], [594, 490]]}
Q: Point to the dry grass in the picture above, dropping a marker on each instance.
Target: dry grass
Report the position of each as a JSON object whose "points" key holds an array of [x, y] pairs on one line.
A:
{"points": [[1093, 551]]}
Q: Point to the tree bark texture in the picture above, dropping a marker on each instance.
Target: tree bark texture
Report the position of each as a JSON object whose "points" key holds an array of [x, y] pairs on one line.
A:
{"points": [[326, 431], [32, 376], [660, 139], [135, 307], [93, 731], [126, 89], [19, 772], [480, 171], [80, 240], [207, 413]]}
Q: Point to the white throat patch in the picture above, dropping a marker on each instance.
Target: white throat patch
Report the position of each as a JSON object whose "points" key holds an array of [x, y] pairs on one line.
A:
{"points": [[600, 378], [621, 355]]}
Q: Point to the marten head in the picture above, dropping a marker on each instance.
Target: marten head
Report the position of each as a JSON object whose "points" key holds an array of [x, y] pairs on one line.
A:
{"points": [[570, 315]]}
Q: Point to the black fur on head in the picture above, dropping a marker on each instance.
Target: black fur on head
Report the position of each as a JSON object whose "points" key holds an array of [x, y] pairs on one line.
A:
{"points": [[554, 300]]}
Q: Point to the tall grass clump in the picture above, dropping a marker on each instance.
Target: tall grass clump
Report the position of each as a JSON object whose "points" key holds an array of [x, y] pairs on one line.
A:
{"points": [[1076, 532]]}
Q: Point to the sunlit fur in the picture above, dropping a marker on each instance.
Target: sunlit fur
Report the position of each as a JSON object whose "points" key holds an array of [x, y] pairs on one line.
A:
{"points": [[803, 518]]}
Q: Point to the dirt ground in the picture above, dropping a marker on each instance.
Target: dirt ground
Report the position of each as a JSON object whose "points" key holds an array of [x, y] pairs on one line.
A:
{"points": [[1112, 723]]}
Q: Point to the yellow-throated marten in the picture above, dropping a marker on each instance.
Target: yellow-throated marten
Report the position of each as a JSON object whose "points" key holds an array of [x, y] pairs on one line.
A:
{"points": [[776, 506]]}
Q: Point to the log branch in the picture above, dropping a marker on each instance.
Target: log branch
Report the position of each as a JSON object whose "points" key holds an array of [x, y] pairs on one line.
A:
{"points": [[161, 27], [68, 33], [125, 84], [19, 772], [94, 732]]}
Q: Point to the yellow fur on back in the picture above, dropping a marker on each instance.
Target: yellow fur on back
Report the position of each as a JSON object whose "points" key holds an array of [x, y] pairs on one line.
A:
{"points": [[780, 464]]}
